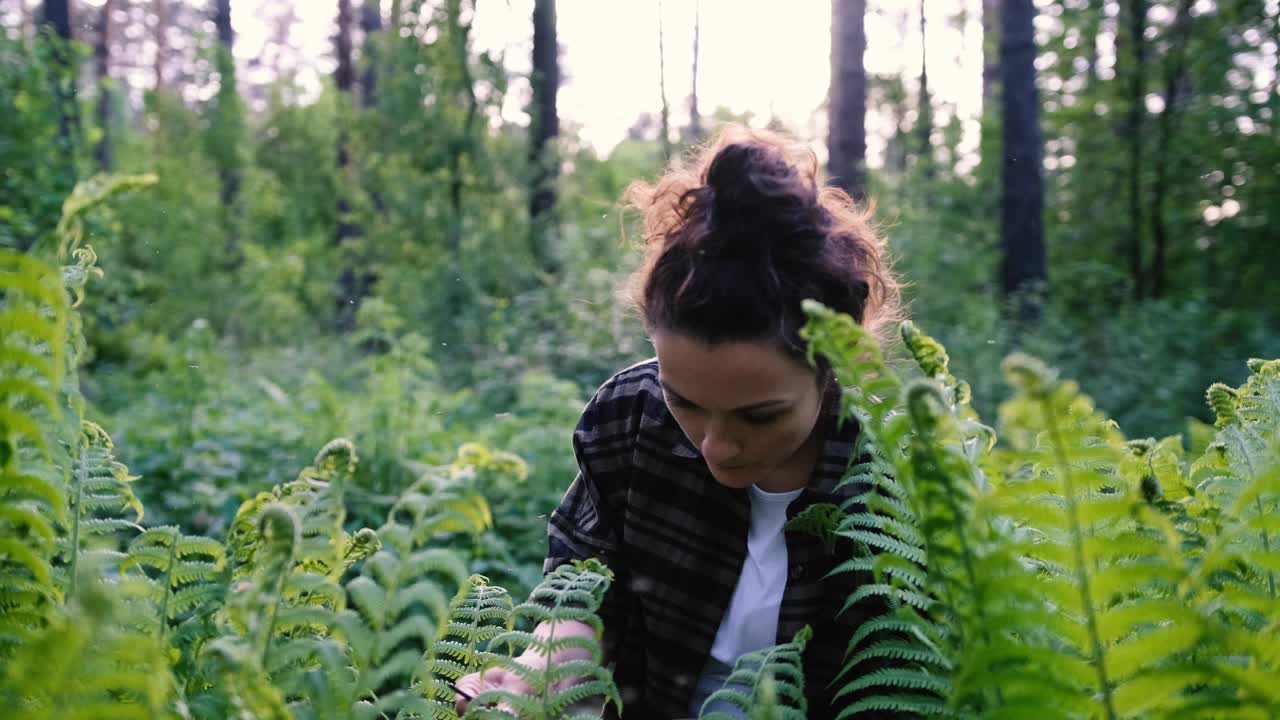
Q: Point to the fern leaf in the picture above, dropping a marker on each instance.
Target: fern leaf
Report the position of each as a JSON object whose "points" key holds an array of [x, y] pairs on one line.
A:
{"points": [[769, 681], [571, 592], [34, 336]]}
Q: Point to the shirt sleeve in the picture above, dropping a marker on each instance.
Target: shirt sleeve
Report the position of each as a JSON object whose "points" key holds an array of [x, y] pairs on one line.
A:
{"points": [[588, 521]]}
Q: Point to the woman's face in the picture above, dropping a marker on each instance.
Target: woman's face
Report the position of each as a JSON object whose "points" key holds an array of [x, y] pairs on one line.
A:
{"points": [[749, 408]]}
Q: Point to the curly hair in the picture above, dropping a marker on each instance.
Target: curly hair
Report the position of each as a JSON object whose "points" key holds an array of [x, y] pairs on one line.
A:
{"points": [[737, 236]]}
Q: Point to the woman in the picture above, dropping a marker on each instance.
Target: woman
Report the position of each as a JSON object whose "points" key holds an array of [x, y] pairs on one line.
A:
{"points": [[691, 463]]}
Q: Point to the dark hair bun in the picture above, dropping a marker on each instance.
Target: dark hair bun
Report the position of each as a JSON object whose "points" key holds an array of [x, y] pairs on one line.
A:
{"points": [[758, 197], [739, 236]]}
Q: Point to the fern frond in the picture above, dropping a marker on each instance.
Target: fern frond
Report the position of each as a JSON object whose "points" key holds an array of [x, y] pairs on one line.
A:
{"points": [[400, 601], [572, 591], [186, 573], [821, 520], [89, 663], [34, 336], [478, 613], [770, 681], [317, 497], [101, 505]]}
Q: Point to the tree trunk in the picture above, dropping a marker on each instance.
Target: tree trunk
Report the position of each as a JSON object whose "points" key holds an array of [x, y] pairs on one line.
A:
{"points": [[460, 145], [544, 159], [349, 291], [695, 119], [1023, 271], [847, 99], [1133, 127], [990, 52], [57, 16], [102, 59], [226, 36], [924, 108], [227, 123], [665, 129], [1175, 71], [344, 76], [371, 25], [162, 25]]}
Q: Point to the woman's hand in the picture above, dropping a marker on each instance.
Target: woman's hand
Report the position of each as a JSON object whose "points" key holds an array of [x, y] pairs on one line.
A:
{"points": [[492, 679], [502, 679]]}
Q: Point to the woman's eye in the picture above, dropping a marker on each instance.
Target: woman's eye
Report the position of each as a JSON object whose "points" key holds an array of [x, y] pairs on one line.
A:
{"points": [[680, 402], [761, 419]]}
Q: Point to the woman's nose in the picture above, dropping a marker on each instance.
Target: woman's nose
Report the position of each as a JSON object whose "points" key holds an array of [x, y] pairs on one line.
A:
{"points": [[718, 446]]}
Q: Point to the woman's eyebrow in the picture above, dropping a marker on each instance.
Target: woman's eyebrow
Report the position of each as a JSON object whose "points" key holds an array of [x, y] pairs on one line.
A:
{"points": [[745, 408]]}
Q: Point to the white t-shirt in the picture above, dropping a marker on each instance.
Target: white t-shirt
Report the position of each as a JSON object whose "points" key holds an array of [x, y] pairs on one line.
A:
{"points": [[751, 621]]}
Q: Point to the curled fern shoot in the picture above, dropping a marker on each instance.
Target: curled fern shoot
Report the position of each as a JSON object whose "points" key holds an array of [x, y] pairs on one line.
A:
{"points": [[400, 599]]}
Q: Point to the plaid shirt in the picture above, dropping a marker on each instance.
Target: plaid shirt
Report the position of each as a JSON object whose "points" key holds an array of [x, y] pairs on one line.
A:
{"points": [[646, 504]]}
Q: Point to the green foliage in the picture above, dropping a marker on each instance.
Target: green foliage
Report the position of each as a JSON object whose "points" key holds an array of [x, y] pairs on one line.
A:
{"points": [[401, 596], [570, 592], [188, 574], [89, 662], [39, 165], [217, 383], [33, 346], [766, 684], [479, 613], [279, 621], [1066, 572], [316, 496], [894, 662], [99, 499]]}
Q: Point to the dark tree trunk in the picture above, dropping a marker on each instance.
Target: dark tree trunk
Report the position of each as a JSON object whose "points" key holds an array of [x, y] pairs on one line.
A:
{"points": [[544, 160], [222, 21], [1023, 270], [695, 119], [344, 76], [847, 98], [102, 59], [1137, 18], [56, 16], [1175, 73], [664, 131], [370, 25], [349, 290], [924, 109]]}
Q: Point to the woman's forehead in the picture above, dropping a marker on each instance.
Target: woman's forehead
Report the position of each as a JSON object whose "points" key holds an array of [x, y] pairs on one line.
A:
{"points": [[730, 374]]}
